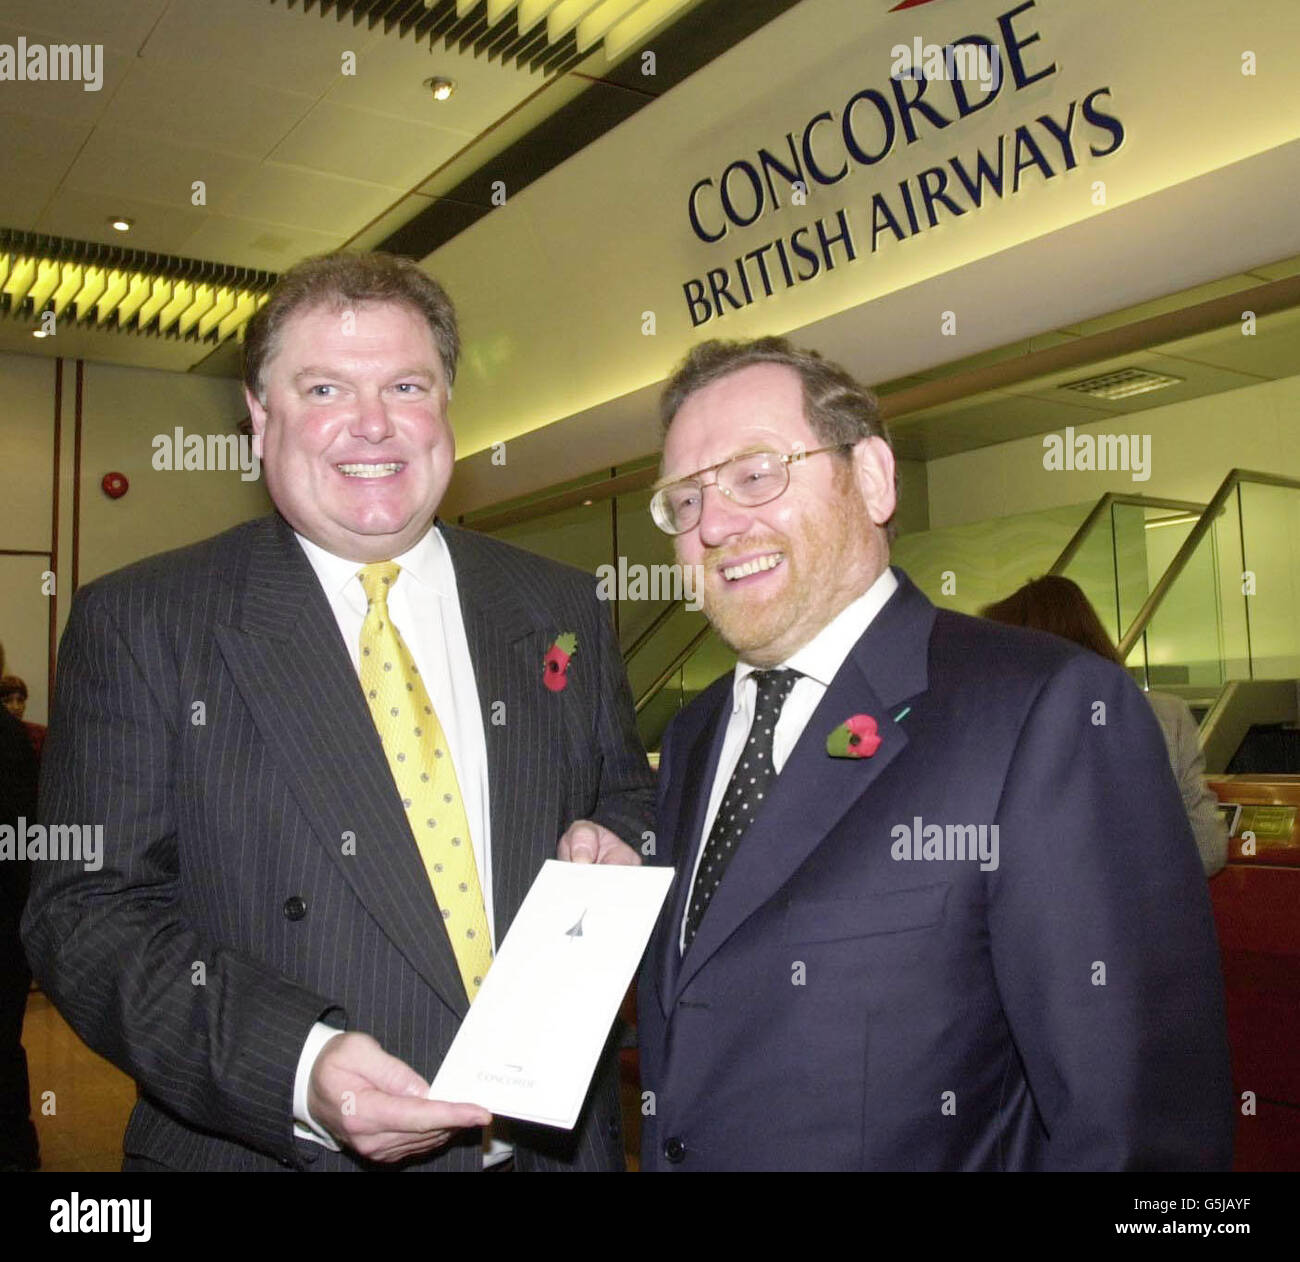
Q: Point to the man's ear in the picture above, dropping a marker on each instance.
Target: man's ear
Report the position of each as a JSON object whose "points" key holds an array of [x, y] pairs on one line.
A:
{"points": [[873, 467], [256, 414]]}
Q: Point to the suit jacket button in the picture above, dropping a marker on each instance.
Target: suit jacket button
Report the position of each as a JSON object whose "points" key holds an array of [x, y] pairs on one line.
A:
{"points": [[295, 908], [675, 1150]]}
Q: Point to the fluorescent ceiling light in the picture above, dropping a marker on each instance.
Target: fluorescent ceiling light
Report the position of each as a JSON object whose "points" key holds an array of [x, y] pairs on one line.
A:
{"points": [[620, 23], [1124, 383], [110, 287]]}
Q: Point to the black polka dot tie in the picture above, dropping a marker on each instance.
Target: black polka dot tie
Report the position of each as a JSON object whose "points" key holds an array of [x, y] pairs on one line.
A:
{"points": [[746, 792]]}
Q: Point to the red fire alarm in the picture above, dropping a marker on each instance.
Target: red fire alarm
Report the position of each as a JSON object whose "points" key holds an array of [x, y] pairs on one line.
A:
{"points": [[115, 485]]}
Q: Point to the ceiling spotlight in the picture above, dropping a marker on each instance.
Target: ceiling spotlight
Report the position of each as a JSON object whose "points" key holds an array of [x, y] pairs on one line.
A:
{"points": [[40, 333], [121, 223], [440, 87]]}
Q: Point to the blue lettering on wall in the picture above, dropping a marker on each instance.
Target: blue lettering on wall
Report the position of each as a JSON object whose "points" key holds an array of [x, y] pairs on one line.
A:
{"points": [[860, 136]]}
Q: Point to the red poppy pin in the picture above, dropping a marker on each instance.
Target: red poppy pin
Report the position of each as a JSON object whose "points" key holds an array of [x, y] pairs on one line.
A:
{"points": [[856, 737], [555, 665]]}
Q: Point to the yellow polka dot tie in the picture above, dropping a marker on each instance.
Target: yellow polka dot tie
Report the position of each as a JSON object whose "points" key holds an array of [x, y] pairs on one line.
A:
{"points": [[420, 758]]}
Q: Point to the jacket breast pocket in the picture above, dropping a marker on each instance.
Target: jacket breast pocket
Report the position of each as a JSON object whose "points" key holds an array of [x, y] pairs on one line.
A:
{"points": [[841, 918]]}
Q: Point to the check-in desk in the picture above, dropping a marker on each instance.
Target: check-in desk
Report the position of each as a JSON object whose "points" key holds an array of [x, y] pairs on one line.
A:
{"points": [[1257, 910]]}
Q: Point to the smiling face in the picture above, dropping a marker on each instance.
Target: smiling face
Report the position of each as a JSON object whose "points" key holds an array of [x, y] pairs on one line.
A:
{"points": [[775, 575], [353, 433]]}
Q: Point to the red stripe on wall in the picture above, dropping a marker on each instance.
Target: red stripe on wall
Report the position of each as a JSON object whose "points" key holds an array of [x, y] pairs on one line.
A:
{"points": [[76, 481], [54, 528]]}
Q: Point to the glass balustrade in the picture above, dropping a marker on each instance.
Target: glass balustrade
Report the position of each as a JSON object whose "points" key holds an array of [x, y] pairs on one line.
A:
{"points": [[1196, 595]]}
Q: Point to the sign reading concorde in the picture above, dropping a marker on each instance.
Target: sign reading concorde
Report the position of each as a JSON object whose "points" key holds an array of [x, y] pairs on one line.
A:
{"points": [[929, 88]]}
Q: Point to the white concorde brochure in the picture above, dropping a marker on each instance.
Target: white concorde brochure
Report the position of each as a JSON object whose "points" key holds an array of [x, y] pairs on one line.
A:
{"points": [[534, 1034]]}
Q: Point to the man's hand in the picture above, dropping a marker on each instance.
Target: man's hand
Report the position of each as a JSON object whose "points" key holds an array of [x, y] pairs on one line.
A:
{"points": [[375, 1104], [585, 842]]}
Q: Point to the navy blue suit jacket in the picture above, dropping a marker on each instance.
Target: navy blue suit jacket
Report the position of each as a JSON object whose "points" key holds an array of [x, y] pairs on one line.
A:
{"points": [[843, 1008]]}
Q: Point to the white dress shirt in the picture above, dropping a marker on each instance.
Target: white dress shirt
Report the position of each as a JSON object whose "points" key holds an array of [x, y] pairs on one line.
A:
{"points": [[425, 608], [818, 662]]}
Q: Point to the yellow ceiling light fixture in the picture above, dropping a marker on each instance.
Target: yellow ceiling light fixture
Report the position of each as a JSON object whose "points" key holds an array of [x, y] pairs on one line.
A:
{"points": [[564, 17], [629, 31], [553, 36], [128, 291], [533, 11]]}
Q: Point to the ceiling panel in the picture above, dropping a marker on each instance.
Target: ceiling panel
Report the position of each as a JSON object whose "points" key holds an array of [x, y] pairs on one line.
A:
{"points": [[38, 146], [1161, 306], [266, 247], [981, 422], [123, 27], [83, 215], [76, 343], [259, 42], [1273, 350], [136, 164], [58, 99], [22, 199], [298, 198], [1278, 271], [378, 148], [219, 109]]}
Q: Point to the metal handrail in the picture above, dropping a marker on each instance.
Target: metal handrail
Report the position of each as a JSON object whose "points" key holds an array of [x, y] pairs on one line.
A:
{"points": [[669, 671], [1099, 509], [1194, 536]]}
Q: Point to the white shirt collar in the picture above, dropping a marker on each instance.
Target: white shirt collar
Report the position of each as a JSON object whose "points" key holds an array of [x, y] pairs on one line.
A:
{"points": [[428, 562], [821, 658]]}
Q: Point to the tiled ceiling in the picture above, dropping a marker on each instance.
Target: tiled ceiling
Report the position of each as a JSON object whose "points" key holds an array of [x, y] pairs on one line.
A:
{"points": [[295, 156], [252, 99], [1207, 363]]}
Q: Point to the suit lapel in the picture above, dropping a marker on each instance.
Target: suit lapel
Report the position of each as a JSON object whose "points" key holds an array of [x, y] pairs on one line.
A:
{"points": [[296, 677], [506, 647], [814, 790], [683, 818]]}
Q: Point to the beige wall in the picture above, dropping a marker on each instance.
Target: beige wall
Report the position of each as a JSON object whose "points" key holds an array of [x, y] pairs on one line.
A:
{"points": [[1193, 445], [27, 386], [1202, 624], [122, 410]]}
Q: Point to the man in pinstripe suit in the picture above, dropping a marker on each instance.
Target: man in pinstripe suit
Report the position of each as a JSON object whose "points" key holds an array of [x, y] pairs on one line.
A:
{"points": [[262, 948]]}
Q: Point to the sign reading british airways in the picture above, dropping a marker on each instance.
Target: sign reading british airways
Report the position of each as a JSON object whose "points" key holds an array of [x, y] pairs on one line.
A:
{"points": [[928, 89]]}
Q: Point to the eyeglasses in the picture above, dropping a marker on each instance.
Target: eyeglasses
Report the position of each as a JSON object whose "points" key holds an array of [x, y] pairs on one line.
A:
{"points": [[748, 480]]}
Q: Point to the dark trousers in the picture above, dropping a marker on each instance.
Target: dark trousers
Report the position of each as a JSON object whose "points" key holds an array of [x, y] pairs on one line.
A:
{"points": [[18, 1143]]}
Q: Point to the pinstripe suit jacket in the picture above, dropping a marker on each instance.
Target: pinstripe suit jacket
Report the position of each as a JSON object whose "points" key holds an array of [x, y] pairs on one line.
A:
{"points": [[208, 716]]}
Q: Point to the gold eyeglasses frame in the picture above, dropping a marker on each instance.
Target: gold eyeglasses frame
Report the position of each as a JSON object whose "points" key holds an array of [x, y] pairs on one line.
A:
{"points": [[658, 500]]}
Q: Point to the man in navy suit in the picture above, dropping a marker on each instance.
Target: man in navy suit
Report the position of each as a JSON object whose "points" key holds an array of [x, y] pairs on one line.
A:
{"points": [[936, 905]]}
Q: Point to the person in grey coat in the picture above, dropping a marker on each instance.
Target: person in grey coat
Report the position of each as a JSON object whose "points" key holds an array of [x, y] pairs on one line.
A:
{"points": [[1179, 727]]}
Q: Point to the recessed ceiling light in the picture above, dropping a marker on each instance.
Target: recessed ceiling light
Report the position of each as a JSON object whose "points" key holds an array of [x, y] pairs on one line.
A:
{"points": [[121, 223], [587, 503], [440, 87]]}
